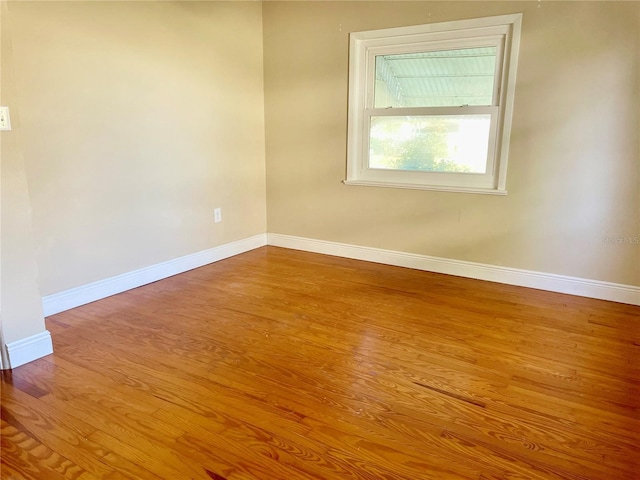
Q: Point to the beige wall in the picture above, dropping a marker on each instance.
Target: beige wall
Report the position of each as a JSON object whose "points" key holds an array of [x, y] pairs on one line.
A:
{"points": [[573, 175], [138, 119], [20, 305]]}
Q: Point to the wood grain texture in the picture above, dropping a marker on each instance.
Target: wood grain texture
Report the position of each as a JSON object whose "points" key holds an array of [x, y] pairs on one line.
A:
{"points": [[279, 364]]}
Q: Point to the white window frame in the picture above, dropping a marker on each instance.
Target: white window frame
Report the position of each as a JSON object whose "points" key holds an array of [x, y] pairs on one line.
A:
{"points": [[500, 31]]}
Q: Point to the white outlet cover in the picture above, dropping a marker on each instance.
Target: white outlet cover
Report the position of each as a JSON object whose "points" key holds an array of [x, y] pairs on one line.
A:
{"points": [[5, 121]]}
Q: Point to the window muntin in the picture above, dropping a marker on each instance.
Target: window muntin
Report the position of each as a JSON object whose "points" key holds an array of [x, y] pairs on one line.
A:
{"points": [[446, 90]]}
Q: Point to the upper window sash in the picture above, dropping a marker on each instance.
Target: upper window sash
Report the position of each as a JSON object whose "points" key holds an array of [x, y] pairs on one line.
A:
{"points": [[405, 48]]}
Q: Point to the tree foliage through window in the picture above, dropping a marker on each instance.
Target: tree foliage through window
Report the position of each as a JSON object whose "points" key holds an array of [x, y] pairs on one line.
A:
{"points": [[423, 146]]}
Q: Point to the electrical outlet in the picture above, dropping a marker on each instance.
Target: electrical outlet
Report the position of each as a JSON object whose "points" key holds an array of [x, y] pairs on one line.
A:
{"points": [[5, 121], [217, 215]]}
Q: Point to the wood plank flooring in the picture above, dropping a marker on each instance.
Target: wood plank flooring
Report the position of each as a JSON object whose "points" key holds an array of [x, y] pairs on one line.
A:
{"points": [[278, 364]]}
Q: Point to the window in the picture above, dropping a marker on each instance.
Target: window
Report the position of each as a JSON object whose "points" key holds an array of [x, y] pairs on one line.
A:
{"points": [[430, 105]]}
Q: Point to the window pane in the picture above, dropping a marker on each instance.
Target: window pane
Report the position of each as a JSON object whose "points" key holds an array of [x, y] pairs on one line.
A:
{"points": [[434, 143], [436, 79]]}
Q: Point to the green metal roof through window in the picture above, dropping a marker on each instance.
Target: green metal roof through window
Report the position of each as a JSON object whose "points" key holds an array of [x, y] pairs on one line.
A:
{"points": [[436, 79]]}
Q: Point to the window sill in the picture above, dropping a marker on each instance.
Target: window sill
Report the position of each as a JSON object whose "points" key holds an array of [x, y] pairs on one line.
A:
{"points": [[437, 188]]}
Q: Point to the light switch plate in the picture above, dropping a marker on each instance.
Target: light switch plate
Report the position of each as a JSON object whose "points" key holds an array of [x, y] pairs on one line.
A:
{"points": [[5, 121]]}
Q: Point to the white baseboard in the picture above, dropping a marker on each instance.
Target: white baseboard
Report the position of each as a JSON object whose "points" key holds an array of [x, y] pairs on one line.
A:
{"points": [[75, 297], [29, 349], [512, 276]]}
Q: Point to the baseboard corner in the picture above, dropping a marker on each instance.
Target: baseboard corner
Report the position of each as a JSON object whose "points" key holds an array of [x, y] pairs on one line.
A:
{"points": [[29, 349]]}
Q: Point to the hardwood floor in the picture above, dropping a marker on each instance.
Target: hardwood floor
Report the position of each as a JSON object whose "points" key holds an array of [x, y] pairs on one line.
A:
{"points": [[278, 364]]}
